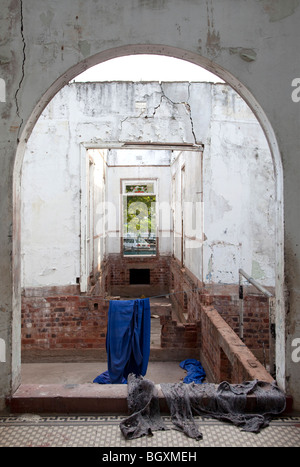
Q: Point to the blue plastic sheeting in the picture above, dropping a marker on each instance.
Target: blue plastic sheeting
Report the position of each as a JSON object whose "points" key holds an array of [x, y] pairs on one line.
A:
{"points": [[127, 340], [195, 371]]}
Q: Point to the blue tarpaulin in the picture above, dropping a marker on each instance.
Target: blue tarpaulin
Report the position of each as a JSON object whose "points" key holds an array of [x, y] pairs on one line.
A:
{"points": [[127, 340], [195, 371]]}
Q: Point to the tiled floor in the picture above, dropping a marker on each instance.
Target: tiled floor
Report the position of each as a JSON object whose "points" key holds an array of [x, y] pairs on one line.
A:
{"points": [[103, 431]]}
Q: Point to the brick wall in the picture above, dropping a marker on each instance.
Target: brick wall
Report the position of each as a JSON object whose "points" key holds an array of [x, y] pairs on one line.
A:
{"points": [[63, 322], [118, 275], [188, 292], [226, 301], [223, 354], [255, 323], [53, 320], [179, 335], [71, 321]]}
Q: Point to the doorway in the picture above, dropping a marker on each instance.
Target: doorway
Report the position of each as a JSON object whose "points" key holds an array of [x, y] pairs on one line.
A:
{"points": [[182, 253]]}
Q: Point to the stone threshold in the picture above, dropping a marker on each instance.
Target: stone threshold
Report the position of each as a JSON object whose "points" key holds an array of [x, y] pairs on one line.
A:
{"points": [[86, 398]]}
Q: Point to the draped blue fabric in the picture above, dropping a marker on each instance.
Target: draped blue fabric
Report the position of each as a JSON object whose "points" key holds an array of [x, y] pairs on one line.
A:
{"points": [[195, 371], [127, 340]]}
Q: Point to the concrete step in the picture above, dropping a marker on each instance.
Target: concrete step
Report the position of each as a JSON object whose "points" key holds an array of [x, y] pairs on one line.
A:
{"points": [[69, 398], [85, 398]]}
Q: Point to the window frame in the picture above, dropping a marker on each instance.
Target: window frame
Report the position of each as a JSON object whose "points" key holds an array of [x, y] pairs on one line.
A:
{"points": [[124, 194]]}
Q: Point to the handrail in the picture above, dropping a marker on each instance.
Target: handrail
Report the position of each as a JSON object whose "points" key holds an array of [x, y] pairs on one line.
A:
{"points": [[255, 284]]}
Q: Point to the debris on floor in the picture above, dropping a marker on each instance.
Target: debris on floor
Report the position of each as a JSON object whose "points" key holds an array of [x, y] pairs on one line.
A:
{"points": [[195, 371], [143, 406], [225, 402]]}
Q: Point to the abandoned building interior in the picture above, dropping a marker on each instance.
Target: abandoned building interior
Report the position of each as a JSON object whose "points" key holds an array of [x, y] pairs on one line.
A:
{"points": [[183, 192], [145, 189]]}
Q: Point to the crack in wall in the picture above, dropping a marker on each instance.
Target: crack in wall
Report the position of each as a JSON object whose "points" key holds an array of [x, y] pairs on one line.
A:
{"points": [[190, 114], [130, 117], [187, 106], [164, 96], [23, 64]]}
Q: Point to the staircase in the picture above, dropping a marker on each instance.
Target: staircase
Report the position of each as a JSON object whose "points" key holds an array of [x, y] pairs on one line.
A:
{"points": [[161, 309]]}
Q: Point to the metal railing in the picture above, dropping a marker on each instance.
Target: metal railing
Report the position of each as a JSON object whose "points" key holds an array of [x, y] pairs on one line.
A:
{"points": [[254, 283]]}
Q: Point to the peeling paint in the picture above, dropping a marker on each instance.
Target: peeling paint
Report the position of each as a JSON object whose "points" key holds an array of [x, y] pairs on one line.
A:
{"points": [[85, 48], [187, 106], [4, 60], [249, 55], [153, 4], [209, 269], [213, 43], [220, 204], [213, 40], [279, 9], [257, 271]]}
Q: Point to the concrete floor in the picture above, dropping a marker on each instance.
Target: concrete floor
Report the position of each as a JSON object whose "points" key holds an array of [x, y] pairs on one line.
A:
{"points": [[79, 373]]}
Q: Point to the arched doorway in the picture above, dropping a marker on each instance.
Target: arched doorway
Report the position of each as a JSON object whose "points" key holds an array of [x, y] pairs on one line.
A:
{"points": [[258, 112]]}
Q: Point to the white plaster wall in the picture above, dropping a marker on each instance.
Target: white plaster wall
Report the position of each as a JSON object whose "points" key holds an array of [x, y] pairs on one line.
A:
{"points": [[98, 209], [237, 210], [111, 112], [238, 182], [187, 205], [50, 214], [239, 194]]}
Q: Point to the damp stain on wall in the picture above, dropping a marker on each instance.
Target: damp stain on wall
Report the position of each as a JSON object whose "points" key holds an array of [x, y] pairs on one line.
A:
{"points": [[278, 10]]}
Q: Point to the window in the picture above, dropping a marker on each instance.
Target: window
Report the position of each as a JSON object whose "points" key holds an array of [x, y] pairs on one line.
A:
{"points": [[139, 217]]}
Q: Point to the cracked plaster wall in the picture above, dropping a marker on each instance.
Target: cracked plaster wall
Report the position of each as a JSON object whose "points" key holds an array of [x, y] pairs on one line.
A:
{"points": [[44, 44], [235, 222]]}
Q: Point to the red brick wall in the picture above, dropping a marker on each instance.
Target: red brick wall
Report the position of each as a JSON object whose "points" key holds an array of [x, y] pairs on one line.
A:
{"points": [[256, 319], [71, 321], [118, 275], [78, 322], [179, 335], [223, 354], [187, 291], [226, 301], [68, 322]]}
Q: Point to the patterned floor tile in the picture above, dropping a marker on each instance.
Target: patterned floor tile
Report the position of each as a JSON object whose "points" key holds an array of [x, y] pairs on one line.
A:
{"points": [[104, 431]]}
